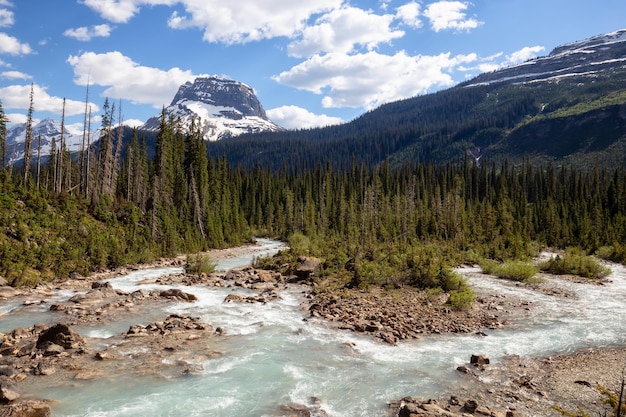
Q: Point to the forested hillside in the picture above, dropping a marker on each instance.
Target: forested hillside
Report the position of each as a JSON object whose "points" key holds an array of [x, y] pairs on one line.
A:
{"points": [[578, 120], [372, 225]]}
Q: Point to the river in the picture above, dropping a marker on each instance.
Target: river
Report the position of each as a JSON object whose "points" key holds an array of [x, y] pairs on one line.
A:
{"points": [[272, 356]]}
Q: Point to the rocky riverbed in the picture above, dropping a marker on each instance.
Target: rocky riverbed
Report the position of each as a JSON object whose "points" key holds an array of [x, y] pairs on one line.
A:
{"points": [[175, 345]]}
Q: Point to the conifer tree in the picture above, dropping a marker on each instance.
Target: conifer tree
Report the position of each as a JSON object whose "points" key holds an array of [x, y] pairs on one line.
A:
{"points": [[3, 137], [28, 136]]}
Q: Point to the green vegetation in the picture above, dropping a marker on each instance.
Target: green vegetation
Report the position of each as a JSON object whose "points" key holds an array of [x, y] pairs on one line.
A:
{"points": [[200, 263], [575, 121], [575, 262], [373, 226], [513, 270]]}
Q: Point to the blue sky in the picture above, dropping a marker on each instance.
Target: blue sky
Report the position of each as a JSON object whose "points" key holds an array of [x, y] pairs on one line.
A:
{"points": [[310, 63]]}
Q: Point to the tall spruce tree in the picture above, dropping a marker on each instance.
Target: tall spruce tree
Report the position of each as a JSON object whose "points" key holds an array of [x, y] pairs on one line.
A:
{"points": [[3, 137], [28, 135]]}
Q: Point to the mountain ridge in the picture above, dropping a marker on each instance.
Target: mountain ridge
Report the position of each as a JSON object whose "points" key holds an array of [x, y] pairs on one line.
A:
{"points": [[580, 87]]}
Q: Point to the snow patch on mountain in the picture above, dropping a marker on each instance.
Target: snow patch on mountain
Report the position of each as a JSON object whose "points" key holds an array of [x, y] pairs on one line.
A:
{"points": [[220, 107], [577, 58], [46, 130]]}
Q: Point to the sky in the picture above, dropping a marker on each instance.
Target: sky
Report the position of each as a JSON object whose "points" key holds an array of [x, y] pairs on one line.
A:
{"points": [[310, 62]]}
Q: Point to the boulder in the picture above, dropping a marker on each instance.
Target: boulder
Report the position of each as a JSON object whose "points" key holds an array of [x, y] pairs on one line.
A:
{"points": [[7, 391], [62, 335], [307, 266], [177, 294], [3, 282], [28, 408], [470, 406], [479, 360], [7, 292], [97, 285]]}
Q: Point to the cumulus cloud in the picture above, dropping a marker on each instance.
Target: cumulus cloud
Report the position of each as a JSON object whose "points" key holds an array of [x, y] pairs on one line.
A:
{"points": [[15, 75], [340, 29], [450, 15], [12, 46], [133, 122], [119, 11], [129, 80], [294, 117], [6, 18], [87, 33], [230, 22], [18, 97], [409, 14], [371, 79], [248, 20], [524, 54]]}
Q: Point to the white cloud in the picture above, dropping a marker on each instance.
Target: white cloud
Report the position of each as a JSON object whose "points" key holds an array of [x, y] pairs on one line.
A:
{"points": [[371, 79], [12, 46], [248, 20], [119, 11], [133, 122], [6, 3], [341, 29], [131, 81], [16, 118], [524, 54], [230, 22], [409, 14], [6, 18], [294, 117], [18, 97], [15, 75], [450, 15], [87, 33]]}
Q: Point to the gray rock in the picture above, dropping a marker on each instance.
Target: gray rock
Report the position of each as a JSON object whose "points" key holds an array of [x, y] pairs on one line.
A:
{"points": [[62, 335]]}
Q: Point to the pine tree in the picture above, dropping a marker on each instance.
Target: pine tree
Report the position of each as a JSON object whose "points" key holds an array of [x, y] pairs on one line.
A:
{"points": [[28, 137], [3, 137]]}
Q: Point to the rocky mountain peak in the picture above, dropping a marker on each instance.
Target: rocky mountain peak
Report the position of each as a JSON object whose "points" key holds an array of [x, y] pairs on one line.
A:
{"points": [[223, 108], [222, 92]]}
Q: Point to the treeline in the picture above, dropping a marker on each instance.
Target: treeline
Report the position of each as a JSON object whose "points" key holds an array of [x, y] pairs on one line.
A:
{"points": [[372, 225]]}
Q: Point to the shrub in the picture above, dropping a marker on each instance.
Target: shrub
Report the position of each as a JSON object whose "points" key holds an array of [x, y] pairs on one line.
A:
{"points": [[199, 263], [462, 299], [513, 270], [575, 262]]}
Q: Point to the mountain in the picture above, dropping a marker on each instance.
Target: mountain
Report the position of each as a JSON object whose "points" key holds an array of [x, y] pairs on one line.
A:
{"points": [[223, 108], [47, 129], [585, 58], [568, 108]]}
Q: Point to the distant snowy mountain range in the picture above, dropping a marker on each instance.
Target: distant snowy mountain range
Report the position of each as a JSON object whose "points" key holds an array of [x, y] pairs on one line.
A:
{"points": [[46, 131]]}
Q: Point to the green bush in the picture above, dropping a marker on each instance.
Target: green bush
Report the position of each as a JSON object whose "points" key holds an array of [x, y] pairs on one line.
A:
{"points": [[462, 299], [575, 262], [513, 270], [199, 263]]}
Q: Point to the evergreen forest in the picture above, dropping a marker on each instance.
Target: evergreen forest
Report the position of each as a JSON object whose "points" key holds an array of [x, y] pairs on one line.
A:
{"points": [[371, 224]]}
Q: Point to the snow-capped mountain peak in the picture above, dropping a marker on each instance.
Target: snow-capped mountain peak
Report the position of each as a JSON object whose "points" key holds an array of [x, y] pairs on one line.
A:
{"points": [[221, 107], [46, 130]]}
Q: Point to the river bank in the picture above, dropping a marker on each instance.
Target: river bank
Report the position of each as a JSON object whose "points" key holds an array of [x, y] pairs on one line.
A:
{"points": [[177, 345]]}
